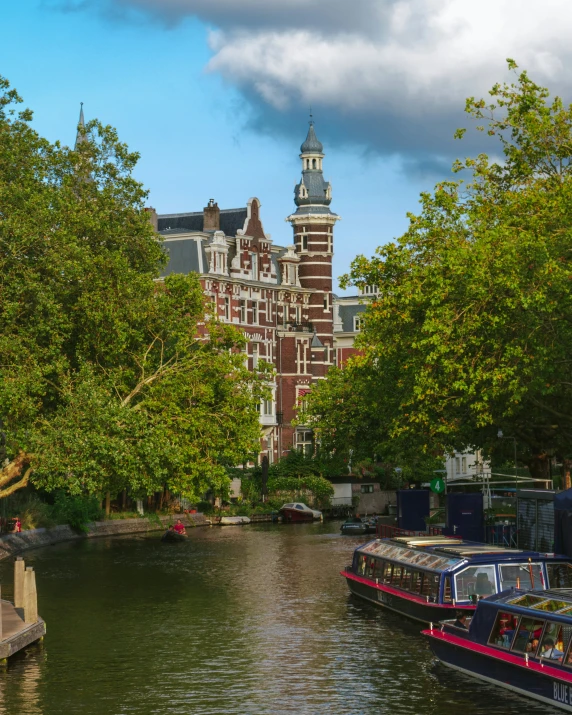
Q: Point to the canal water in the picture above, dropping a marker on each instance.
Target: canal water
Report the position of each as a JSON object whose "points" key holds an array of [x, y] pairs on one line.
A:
{"points": [[245, 620]]}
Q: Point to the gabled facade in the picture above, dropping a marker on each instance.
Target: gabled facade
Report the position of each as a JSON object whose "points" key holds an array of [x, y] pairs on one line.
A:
{"points": [[280, 297]]}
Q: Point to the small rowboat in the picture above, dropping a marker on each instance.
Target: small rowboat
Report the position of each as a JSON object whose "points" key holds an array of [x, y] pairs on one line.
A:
{"points": [[172, 536]]}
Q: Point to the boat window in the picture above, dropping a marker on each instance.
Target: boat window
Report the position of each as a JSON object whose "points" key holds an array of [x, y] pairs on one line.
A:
{"points": [[503, 630], [519, 576], [416, 577], [559, 575], [527, 600], [527, 635], [447, 598], [362, 563], [555, 640], [425, 584], [475, 581], [370, 568], [433, 586], [551, 605], [406, 579], [396, 578], [387, 569]]}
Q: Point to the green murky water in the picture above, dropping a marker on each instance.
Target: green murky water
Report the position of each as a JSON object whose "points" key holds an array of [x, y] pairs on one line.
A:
{"points": [[238, 620]]}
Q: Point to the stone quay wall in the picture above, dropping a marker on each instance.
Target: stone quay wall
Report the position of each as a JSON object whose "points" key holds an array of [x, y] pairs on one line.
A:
{"points": [[14, 544]]}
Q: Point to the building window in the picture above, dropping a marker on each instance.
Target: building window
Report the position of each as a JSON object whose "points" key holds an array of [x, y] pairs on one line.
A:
{"points": [[464, 464], [298, 313], [243, 316], [226, 308], [369, 290], [268, 407], [327, 302], [285, 315], [457, 465], [304, 242], [304, 442], [367, 488], [254, 265], [254, 355], [358, 323], [254, 312]]}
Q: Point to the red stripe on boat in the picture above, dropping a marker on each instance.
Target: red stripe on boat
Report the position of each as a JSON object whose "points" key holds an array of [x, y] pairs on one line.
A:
{"points": [[500, 655], [404, 594]]}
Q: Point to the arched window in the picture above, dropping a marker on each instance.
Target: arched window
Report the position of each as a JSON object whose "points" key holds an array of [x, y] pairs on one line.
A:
{"points": [[313, 163]]}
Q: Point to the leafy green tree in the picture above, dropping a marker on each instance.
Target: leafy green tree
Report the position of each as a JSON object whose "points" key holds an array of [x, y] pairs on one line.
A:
{"points": [[108, 378], [471, 330]]}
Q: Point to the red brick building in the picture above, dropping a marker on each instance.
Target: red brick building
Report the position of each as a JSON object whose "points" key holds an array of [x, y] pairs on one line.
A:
{"points": [[279, 296]]}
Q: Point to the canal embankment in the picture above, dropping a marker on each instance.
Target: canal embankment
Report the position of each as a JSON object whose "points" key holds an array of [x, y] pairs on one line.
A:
{"points": [[17, 543]]}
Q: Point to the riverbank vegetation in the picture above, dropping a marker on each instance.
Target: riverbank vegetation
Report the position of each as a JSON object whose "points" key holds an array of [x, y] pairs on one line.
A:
{"points": [[470, 330], [110, 380]]}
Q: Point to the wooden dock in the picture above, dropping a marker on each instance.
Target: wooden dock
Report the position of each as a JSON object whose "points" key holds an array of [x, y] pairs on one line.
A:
{"points": [[20, 624]]}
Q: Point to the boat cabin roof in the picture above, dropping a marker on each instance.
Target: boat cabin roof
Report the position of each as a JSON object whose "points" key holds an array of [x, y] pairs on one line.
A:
{"points": [[556, 601], [442, 553]]}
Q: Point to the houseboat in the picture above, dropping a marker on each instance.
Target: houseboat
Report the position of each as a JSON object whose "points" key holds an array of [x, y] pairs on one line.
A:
{"points": [[519, 640], [297, 511], [430, 578]]}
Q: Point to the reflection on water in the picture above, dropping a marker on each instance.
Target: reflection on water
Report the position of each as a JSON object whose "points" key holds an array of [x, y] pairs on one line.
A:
{"points": [[242, 620]]}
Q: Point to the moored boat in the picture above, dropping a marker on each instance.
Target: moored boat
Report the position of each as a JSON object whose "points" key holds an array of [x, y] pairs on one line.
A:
{"points": [[429, 578], [354, 526], [234, 520], [297, 512], [519, 640], [173, 536]]}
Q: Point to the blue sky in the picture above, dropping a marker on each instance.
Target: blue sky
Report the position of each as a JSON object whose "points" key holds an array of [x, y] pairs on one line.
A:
{"points": [[215, 94]]}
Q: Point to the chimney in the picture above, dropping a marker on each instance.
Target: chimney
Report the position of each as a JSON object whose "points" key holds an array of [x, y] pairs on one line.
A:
{"points": [[211, 217], [153, 218]]}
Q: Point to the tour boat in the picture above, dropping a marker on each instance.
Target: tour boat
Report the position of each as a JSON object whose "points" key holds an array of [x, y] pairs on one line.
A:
{"points": [[519, 640], [296, 511], [173, 536], [429, 578]]}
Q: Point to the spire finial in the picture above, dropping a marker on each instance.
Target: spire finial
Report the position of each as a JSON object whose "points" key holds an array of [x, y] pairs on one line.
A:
{"points": [[80, 135], [311, 122]]}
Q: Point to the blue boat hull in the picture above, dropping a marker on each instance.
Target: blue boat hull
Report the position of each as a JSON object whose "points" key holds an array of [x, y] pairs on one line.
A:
{"points": [[516, 678]]}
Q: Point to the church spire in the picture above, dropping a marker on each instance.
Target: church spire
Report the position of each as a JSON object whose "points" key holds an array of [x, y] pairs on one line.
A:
{"points": [[80, 136]]}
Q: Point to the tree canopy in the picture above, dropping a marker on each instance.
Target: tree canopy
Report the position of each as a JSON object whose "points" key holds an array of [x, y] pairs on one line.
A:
{"points": [[471, 328], [109, 378]]}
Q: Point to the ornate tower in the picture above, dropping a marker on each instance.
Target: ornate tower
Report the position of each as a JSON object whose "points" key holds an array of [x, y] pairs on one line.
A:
{"points": [[313, 225]]}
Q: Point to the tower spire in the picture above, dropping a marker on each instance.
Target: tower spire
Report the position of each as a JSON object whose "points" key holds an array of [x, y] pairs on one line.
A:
{"points": [[80, 136]]}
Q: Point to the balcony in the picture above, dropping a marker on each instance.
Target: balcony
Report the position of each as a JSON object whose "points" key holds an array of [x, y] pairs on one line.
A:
{"points": [[268, 420], [294, 327]]}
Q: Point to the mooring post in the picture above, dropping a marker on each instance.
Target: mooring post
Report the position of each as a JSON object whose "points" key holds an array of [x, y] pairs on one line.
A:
{"points": [[19, 569], [30, 596]]}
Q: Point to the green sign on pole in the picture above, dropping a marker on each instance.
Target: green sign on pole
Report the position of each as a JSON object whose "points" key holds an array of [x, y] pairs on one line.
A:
{"points": [[437, 485]]}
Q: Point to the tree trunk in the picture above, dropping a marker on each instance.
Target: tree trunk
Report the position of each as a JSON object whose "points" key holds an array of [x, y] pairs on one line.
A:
{"points": [[566, 466], [124, 500], [539, 467], [107, 503]]}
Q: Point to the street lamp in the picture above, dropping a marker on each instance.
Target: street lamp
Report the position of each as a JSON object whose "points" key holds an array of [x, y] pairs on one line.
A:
{"points": [[501, 436]]}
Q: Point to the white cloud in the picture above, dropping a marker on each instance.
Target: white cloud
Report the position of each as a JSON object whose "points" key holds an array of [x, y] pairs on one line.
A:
{"points": [[391, 74]]}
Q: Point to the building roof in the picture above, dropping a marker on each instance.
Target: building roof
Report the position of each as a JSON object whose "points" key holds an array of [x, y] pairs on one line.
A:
{"points": [[231, 221], [347, 314], [312, 145]]}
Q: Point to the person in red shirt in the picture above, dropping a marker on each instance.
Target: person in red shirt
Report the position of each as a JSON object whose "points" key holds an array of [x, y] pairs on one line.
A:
{"points": [[179, 527], [17, 525]]}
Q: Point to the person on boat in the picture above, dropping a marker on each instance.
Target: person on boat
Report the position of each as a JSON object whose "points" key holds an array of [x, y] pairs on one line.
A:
{"points": [[551, 651], [483, 587], [461, 620], [179, 527]]}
